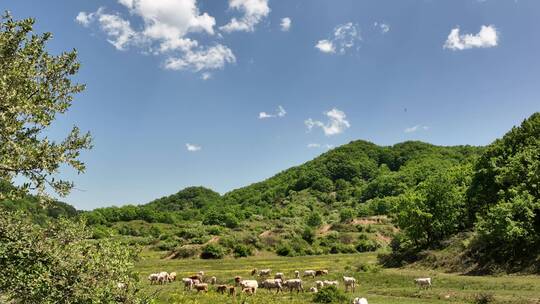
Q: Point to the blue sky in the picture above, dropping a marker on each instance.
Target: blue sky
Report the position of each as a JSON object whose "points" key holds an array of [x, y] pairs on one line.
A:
{"points": [[164, 74]]}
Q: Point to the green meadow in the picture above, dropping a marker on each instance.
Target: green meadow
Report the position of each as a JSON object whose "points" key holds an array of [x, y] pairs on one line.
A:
{"points": [[379, 286]]}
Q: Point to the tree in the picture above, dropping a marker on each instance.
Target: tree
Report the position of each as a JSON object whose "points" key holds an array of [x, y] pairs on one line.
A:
{"points": [[314, 220], [436, 208], [57, 263], [35, 87]]}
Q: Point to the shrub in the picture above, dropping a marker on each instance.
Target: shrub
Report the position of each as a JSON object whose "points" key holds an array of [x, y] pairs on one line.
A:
{"points": [[241, 250], [365, 267], [314, 219], [185, 252], [212, 251], [366, 246], [284, 250], [483, 298], [330, 294], [43, 264]]}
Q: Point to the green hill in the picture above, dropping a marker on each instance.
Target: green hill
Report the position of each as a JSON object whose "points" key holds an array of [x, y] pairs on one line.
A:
{"points": [[337, 202]]}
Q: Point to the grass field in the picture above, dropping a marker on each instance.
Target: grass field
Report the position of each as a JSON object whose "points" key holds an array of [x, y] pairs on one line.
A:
{"points": [[379, 286]]}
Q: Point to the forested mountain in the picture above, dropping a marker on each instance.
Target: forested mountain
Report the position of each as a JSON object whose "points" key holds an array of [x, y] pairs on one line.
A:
{"points": [[308, 209]]}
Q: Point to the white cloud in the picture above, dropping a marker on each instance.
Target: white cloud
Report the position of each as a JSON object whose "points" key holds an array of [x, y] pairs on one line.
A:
{"points": [[280, 113], [325, 46], [315, 145], [119, 31], [193, 147], [383, 27], [254, 11], [345, 37], [263, 115], [285, 24], [214, 57], [166, 29], [206, 76], [337, 123], [84, 18], [486, 38], [416, 128]]}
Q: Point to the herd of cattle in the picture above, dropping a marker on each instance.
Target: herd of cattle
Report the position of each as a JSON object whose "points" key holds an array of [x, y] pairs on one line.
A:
{"points": [[200, 283]]}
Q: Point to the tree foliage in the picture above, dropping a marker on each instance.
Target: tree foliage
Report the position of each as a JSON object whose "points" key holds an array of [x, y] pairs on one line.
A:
{"points": [[57, 263], [35, 87]]}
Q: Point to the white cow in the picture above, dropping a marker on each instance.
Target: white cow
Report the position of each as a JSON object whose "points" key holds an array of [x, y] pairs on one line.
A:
{"points": [[295, 284], [153, 278], [360, 301], [423, 282], [188, 283], [264, 272], [331, 283], [313, 289], [320, 284], [309, 273], [297, 274], [350, 282], [271, 284], [279, 275], [251, 284]]}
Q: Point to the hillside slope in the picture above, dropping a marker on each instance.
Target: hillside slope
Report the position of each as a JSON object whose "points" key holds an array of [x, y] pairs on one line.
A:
{"points": [[337, 202]]}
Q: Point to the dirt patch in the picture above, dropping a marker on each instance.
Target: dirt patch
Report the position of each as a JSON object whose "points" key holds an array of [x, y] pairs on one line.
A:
{"points": [[324, 229], [369, 220], [383, 238], [265, 234]]}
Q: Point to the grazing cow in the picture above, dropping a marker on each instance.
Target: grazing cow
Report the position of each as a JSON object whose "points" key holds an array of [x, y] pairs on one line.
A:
{"points": [[294, 284], [213, 280], [319, 284], [350, 282], [321, 272], [297, 274], [360, 301], [313, 289], [330, 283], [271, 284], [309, 273], [254, 271], [423, 282], [172, 276], [153, 278], [163, 277], [264, 272], [188, 283], [201, 287], [246, 283], [221, 289], [279, 275]]}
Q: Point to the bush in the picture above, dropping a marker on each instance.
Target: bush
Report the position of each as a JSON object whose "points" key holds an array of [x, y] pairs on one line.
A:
{"points": [[284, 250], [43, 264], [365, 267], [483, 298], [366, 246], [314, 220], [241, 250], [212, 251], [185, 252], [330, 294]]}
